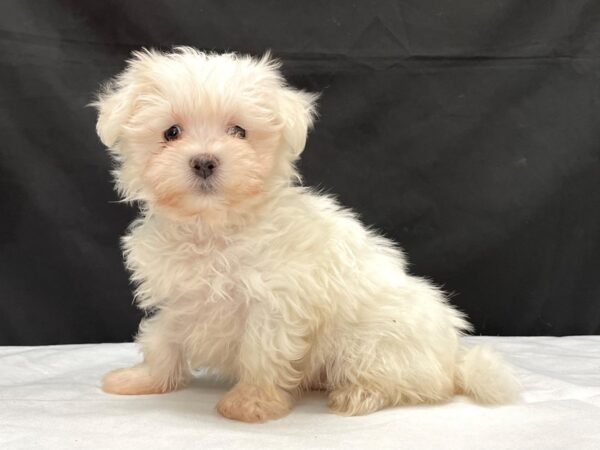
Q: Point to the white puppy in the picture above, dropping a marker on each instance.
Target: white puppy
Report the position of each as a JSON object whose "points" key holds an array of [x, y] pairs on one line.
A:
{"points": [[246, 273]]}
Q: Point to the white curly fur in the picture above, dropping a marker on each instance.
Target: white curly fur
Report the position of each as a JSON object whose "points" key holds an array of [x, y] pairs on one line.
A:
{"points": [[256, 278]]}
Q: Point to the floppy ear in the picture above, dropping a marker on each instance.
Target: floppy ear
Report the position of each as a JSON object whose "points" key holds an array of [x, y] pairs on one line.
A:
{"points": [[116, 101], [115, 106], [297, 110]]}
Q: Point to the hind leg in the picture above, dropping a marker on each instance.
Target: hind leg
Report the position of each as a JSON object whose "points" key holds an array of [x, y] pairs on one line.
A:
{"points": [[365, 397], [388, 378], [357, 400]]}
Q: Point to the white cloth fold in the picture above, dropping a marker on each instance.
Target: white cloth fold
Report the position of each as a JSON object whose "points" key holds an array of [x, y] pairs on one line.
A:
{"points": [[49, 398]]}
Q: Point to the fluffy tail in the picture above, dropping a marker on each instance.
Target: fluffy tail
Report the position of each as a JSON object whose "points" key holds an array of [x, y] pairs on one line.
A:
{"points": [[482, 375]]}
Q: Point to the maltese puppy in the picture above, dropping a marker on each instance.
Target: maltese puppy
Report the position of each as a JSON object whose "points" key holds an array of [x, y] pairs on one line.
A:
{"points": [[247, 273]]}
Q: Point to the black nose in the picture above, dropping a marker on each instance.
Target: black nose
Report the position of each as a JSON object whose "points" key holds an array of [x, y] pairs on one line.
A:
{"points": [[204, 166]]}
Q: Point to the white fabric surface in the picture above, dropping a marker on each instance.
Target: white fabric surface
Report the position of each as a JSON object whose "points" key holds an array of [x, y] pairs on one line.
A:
{"points": [[49, 398]]}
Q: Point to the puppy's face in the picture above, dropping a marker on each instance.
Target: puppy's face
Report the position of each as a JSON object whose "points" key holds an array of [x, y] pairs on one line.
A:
{"points": [[202, 134]]}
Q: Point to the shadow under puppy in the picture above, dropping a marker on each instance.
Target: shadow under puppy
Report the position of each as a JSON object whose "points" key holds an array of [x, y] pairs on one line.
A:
{"points": [[253, 276]]}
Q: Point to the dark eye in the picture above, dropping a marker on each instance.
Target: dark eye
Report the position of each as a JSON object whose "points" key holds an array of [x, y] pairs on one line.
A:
{"points": [[172, 133], [236, 131]]}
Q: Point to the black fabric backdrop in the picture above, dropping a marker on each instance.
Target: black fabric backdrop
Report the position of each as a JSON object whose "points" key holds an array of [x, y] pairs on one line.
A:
{"points": [[466, 130]]}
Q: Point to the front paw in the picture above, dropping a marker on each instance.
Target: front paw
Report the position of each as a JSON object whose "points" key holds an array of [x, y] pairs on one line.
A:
{"points": [[134, 380], [250, 403]]}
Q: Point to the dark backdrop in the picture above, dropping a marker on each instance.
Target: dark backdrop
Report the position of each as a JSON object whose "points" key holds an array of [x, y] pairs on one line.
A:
{"points": [[467, 130]]}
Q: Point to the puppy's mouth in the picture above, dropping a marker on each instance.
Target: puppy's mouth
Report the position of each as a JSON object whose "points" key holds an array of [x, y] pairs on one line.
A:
{"points": [[205, 187]]}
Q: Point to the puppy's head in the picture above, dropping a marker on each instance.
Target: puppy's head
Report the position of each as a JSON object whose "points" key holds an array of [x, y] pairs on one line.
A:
{"points": [[199, 134]]}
